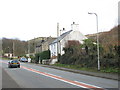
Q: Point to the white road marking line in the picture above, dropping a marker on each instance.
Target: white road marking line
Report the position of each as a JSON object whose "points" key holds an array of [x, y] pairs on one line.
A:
{"points": [[34, 69], [53, 74], [83, 85], [88, 84], [61, 80], [37, 70], [76, 83]]}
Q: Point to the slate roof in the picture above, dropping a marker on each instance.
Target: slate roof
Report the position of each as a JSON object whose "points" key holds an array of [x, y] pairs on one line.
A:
{"points": [[61, 37]]}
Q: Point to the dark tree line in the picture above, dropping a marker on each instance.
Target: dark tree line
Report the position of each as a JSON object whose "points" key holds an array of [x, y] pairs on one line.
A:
{"points": [[14, 46]]}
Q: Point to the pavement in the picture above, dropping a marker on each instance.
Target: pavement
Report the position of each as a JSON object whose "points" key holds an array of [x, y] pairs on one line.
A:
{"points": [[96, 74]]}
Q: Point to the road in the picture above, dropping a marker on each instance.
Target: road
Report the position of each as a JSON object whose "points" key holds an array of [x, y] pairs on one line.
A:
{"points": [[36, 76]]}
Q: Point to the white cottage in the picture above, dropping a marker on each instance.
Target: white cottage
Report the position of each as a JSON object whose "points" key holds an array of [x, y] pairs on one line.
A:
{"points": [[57, 45]]}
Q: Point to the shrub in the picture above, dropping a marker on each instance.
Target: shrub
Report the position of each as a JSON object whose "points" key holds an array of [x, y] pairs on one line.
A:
{"points": [[42, 55], [85, 55]]}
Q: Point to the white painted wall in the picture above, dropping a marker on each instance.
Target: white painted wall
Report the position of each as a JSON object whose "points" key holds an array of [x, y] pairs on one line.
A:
{"points": [[74, 35], [53, 49], [53, 61], [8, 54]]}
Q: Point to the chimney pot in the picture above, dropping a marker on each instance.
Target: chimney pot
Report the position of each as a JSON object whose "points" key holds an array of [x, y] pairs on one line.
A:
{"points": [[75, 27]]}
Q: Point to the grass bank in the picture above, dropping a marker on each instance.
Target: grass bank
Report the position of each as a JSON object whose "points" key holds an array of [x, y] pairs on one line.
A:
{"points": [[77, 67], [4, 58]]}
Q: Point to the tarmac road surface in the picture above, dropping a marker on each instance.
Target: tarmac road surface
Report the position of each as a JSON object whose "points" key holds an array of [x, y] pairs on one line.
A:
{"points": [[34, 76]]}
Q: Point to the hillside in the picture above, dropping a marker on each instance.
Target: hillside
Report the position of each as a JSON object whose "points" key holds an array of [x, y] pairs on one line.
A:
{"points": [[107, 38], [14, 46]]}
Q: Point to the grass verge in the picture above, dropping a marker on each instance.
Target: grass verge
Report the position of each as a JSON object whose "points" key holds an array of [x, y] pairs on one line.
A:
{"points": [[77, 67], [4, 58]]}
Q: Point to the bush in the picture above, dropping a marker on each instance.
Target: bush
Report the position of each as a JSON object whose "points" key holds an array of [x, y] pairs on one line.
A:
{"points": [[85, 55], [42, 55]]}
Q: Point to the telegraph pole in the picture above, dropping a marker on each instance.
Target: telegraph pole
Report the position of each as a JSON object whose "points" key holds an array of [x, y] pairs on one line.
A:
{"points": [[57, 39], [28, 47], [13, 48]]}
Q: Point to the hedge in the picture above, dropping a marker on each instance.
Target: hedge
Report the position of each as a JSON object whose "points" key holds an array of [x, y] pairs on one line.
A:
{"points": [[42, 55]]}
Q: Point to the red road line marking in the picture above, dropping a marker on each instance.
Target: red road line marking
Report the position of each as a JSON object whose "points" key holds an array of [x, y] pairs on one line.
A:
{"points": [[63, 79]]}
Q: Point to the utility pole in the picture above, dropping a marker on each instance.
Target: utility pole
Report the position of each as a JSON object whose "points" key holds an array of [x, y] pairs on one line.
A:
{"points": [[28, 47], [34, 45], [58, 42], [57, 39], [13, 48]]}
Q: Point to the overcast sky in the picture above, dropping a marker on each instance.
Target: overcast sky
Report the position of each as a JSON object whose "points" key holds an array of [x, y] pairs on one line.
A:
{"points": [[28, 19]]}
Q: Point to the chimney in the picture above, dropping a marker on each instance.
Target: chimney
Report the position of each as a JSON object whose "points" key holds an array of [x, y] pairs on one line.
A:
{"points": [[63, 29], [75, 27]]}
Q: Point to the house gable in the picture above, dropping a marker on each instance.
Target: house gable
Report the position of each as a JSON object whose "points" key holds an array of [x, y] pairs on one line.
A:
{"points": [[74, 35], [61, 37]]}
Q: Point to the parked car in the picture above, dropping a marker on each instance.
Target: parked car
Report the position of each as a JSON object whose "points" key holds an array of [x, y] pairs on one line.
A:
{"points": [[13, 63], [23, 59]]}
